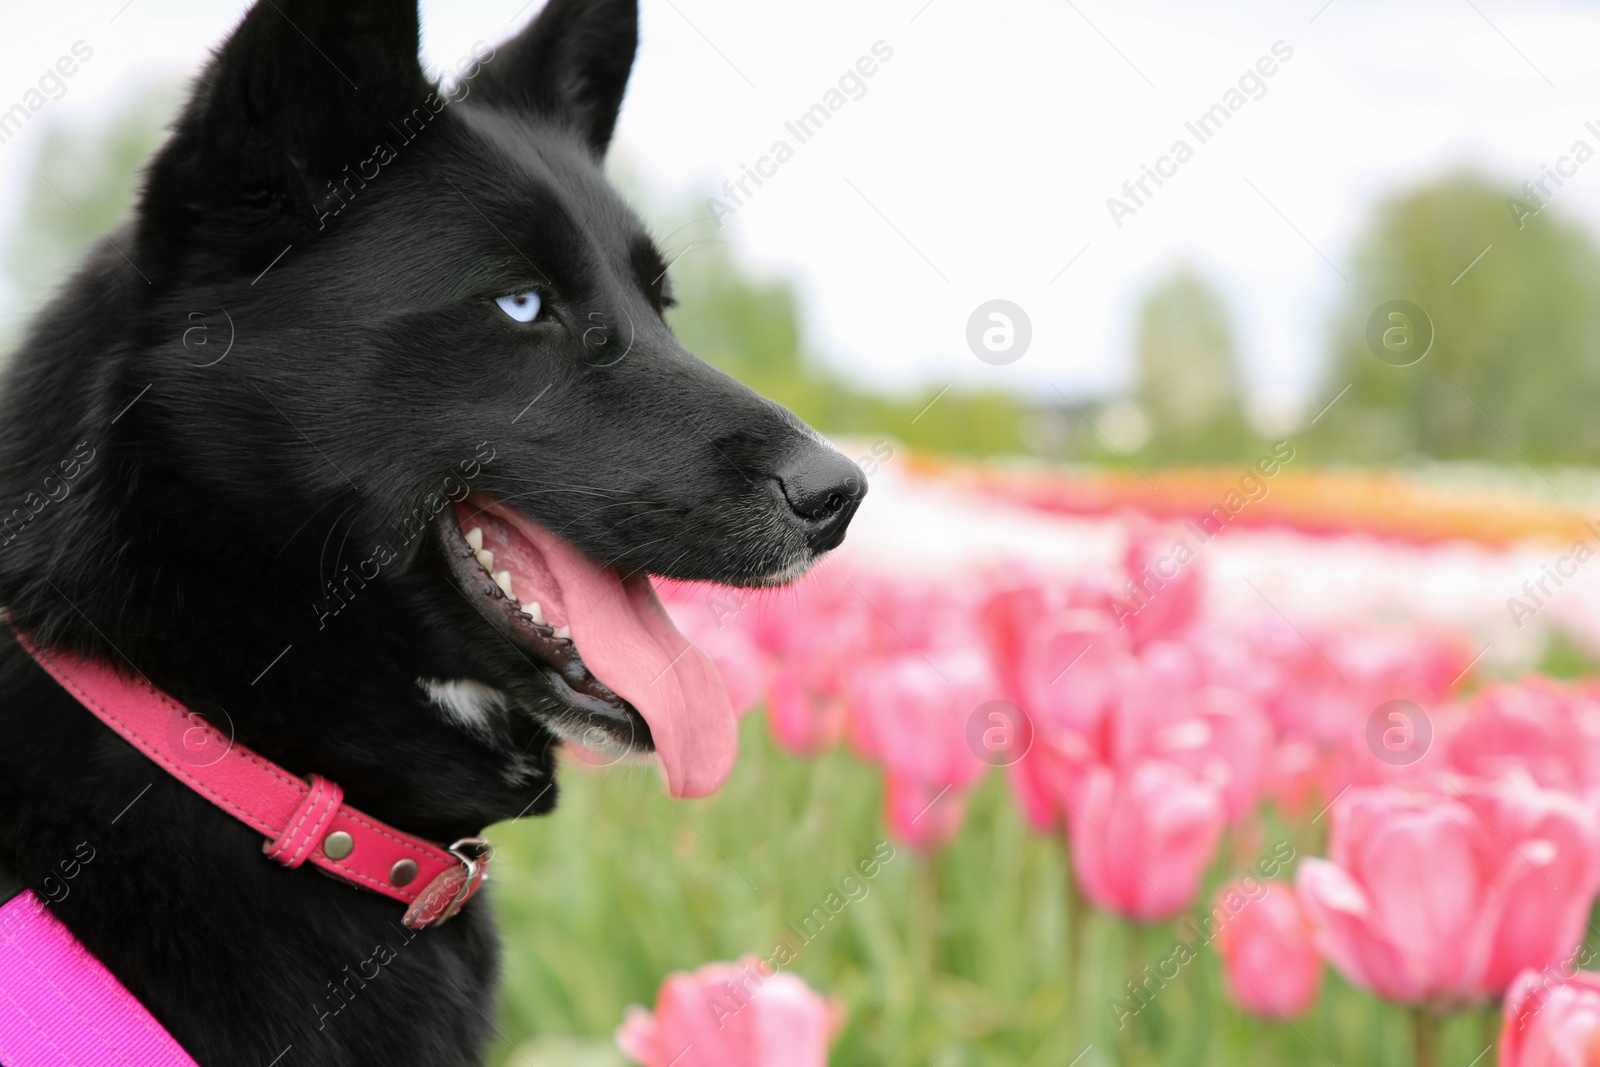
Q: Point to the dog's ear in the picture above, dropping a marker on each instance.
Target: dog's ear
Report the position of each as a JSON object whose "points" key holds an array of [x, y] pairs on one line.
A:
{"points": [[300, 90], [571, 64]]}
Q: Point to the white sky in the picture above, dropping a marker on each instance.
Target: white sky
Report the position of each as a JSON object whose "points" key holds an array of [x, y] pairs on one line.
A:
{"points": [[992, 139]]}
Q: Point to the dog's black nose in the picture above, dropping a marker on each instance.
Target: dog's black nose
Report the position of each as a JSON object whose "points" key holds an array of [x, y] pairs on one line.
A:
{"points": [[824, 489]]}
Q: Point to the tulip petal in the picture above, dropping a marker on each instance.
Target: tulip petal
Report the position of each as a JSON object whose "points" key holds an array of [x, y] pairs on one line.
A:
{"points": [[1421, 874], [1348, 934], [1551, 1022], [1142, 837], [1538, 902], [1269, 961], [637, 1036], [792, 1026]]}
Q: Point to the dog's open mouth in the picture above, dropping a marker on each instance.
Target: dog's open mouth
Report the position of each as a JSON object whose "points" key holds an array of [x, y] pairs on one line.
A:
{"points": [[603, 642]]}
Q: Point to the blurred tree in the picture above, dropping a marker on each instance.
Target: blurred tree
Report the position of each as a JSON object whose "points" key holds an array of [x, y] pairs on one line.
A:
{"points": [[1188, 381], [751, 328], [746, 326], [1514, 302], [84, 183]]}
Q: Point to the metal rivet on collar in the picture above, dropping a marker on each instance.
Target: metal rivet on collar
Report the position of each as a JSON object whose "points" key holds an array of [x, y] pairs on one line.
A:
{"points": [[403, 872], [338, 845]]}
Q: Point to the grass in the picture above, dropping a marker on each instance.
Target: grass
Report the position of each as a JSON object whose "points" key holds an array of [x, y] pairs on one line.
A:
{"points": [[959, 958]]}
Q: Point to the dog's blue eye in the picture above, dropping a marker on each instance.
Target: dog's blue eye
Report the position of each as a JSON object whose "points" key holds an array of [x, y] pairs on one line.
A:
{"points": [[523, 306]]}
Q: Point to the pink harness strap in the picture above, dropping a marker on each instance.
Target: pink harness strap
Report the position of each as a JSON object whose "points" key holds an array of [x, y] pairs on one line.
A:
{"points": [[59, 1007]]}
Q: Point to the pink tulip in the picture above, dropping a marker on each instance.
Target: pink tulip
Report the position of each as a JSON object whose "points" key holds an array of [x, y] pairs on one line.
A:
{"points": [[1271, 966], [1142, 837], [1551, 1021], [803, 722], [1444, 892], [1320, 699], [1294, 768], [1092, 701], [1238, 659], [1007, 622], [1071, 672], [911, 715], [730, 1015], [1535, 727], [1166, 592], [821, 628], [1070, 676], [1230, 733], [1317, 683], [1220, 735], [924, 614], [744, 670]]}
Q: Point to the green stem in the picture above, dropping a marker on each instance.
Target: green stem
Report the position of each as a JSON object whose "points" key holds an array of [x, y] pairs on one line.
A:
{"points": [[927, 935], [1132, 951], [1077, 929], [1425, 1037]]}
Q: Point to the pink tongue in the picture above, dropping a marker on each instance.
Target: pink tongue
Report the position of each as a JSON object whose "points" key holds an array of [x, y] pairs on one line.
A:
{"points": [[628, 642]]}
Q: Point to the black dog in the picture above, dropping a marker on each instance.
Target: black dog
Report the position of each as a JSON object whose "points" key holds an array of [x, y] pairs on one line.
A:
{"points": [[446, 341]]}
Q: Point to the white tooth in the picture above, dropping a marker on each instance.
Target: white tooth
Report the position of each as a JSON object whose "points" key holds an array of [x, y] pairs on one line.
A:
{"points": [[475, 539], [535, 612], [486, 559], [565, 633], [503, 580]]}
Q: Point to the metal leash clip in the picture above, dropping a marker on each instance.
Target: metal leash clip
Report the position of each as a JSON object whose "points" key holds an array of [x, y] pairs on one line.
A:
{"points": [[430, 909]]}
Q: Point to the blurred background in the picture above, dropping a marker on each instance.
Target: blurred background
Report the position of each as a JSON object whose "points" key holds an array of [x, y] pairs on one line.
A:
{"points": [[1200, 217], [1220, 308]]}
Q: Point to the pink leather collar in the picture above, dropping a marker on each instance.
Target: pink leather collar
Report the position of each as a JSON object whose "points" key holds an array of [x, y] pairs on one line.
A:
{"points": [[303, 821]]}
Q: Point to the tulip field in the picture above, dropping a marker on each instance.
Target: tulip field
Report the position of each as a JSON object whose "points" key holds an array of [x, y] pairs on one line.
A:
{"points": [[1065, 770]]}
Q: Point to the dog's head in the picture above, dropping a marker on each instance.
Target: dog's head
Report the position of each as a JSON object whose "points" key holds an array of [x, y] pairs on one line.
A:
{"points": [[452, 405]]}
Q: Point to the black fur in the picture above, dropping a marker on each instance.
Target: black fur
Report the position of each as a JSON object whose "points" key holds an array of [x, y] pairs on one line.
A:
{"points": [[193, 518]]}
